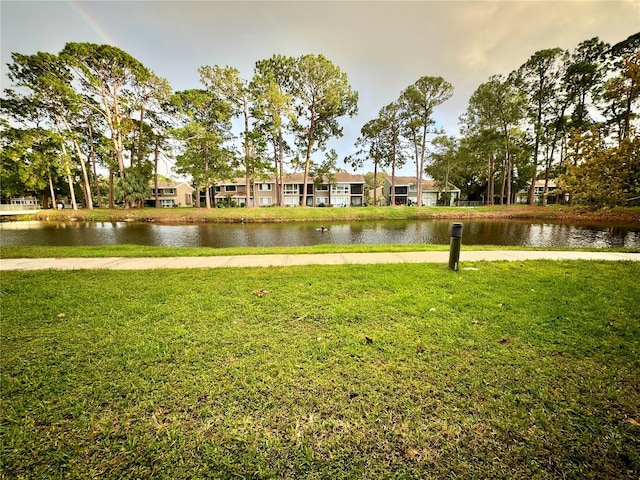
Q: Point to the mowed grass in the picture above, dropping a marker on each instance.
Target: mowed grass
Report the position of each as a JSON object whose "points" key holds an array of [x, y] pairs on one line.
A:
{"points": [[288, 214], [106, 251], [87, 251], [513, 370]]}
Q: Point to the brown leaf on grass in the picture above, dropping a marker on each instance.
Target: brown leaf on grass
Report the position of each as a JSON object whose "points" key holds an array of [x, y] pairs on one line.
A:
{"points": [[62, 315], [475, 321], [413, 453], [633, 422], [368, 340], [260, 292], [504, 340]]}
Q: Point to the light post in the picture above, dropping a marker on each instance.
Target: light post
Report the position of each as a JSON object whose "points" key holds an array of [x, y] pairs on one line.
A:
{"points": [[454, 249]]}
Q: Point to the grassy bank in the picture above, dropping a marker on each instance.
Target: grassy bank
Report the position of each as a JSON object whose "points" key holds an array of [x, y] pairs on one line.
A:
{"points": [[284, 214], [103, 251], [514, 370], [153, 251]]}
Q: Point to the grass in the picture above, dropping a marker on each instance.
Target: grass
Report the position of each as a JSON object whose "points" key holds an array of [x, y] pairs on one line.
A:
{"points": [[288, 214], [152, 251], [514, 370]]}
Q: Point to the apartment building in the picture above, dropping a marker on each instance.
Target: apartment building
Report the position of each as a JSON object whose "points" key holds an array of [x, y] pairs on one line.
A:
{"points": [[341, 190], [406, 192], [171, 194], [552, 196]]}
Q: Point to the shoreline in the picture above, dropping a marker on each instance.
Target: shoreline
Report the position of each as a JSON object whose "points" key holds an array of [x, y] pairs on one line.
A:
{"points": [[620, 215]]}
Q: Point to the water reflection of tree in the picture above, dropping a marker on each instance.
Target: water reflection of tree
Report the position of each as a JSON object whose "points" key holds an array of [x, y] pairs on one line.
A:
{"points": [[510, 232]]}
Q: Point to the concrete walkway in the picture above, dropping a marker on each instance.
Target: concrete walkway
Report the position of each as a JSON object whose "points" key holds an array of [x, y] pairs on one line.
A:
{"points": [[306, 259]]}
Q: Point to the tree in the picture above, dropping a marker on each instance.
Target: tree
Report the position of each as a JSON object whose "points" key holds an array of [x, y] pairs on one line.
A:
{"points": [[391, 125], [372, 182], [539, 79], [205, 122], [273, 109], [602, 176], [494, 112], [149, 93], [480, 148], [582, 79], [225, 83], [29, 162], [134, 188], [473, 174], [379, 141], [582, 83], [371, 145], [89, 128], [418, 101], [48, 80], [622, 91], [107, 74], [322, 94], [444, 161]]}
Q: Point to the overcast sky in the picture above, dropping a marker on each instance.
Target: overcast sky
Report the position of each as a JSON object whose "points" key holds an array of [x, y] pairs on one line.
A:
{"points": [[382, 46]]}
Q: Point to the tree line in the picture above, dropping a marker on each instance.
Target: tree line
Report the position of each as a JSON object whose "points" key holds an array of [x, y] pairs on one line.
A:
{"points": [[96, 106], [564, 116], [568, 116]]}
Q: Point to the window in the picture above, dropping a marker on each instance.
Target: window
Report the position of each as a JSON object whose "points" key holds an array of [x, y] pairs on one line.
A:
{"points": [[322, 188], [264, 201], [291, 202], [401, 190], [413, 187], [230, 188], [340, 189], [340, 201], [264, 187], [322, 200], [167, 203], [291, 189], [168, 191]]}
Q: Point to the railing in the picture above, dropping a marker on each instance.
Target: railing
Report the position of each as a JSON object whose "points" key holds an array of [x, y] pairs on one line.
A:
{"points": [[6, 209], [20, 207]]}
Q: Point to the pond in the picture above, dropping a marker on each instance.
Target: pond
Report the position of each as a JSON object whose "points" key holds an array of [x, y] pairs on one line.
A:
{"points": [[493, 232]]}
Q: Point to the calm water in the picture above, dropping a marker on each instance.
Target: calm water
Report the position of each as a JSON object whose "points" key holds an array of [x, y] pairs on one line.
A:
{"points": [[525, 233]]}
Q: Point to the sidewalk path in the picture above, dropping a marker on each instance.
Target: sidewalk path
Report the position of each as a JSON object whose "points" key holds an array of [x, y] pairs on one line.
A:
{"points": [[305, 259]]}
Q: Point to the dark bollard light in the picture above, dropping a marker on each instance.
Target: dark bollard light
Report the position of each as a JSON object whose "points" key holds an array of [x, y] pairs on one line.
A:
{"points": [[454, 250]]}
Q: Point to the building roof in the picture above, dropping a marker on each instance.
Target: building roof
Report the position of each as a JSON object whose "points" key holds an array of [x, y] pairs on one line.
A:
{"points": [[427, 185], [539, 184], [344, 177], [171, 185], [551, 184], [230, 195], [339, 177]]}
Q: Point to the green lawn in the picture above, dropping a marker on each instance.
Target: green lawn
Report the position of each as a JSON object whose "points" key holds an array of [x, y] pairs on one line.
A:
{"points": [[152, 251], [514, 370], [619, 215]]}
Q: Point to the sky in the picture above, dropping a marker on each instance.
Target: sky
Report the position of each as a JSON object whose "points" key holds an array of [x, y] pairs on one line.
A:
{"points": [[382, 46]]}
